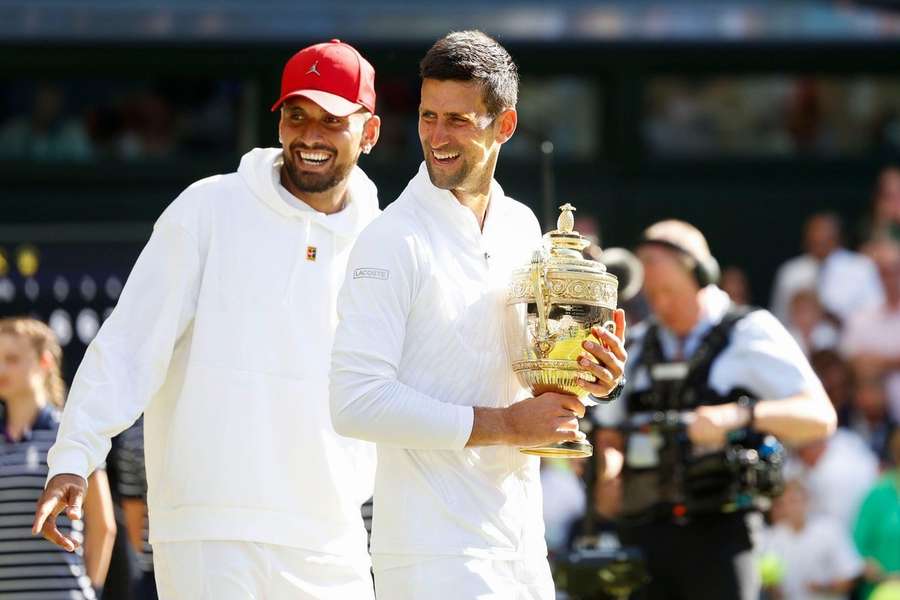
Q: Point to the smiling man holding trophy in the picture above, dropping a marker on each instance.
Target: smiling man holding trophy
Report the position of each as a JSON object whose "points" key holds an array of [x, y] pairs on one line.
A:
{"points": [[421, 363]]}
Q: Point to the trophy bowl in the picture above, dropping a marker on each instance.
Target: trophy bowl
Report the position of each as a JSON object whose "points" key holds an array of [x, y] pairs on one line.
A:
{"points": [[551, 306]]}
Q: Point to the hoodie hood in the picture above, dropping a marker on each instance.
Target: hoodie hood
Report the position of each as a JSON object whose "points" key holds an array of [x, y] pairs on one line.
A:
{"points": [[260, 170]]}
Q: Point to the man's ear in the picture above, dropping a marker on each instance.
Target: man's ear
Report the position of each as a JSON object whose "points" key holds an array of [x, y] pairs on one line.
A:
{"points": [[506, 125], [371, 131]]}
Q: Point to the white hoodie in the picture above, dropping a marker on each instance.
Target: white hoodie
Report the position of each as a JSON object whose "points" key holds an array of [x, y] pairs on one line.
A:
{"points": [[222, 336], [421, 341]]}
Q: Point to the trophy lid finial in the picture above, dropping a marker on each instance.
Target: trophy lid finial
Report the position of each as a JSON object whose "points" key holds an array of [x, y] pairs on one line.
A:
{"points": [[566, 220], [564, 239]]}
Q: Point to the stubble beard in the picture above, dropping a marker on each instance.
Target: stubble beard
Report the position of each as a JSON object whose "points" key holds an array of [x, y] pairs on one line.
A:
{"points": [[315, 183], [444, 180]]}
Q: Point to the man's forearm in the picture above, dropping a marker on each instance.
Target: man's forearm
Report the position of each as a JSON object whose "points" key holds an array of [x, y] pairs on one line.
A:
{"points": [[99, 528], [489, 428], [796, 420], [135, 510]]}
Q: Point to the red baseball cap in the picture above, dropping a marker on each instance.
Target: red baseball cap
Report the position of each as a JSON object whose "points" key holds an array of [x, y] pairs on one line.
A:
{"points": [[333, 75]]}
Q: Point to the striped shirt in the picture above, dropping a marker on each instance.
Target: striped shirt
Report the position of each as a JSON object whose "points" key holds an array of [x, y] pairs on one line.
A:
{"points": [[31, 568]]}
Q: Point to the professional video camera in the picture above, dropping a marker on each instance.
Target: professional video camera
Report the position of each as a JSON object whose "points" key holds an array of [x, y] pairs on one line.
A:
{"points": [[747, 471]]}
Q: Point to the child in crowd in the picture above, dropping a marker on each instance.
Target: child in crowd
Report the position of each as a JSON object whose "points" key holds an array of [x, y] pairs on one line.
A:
{"points": [[31, 397]]}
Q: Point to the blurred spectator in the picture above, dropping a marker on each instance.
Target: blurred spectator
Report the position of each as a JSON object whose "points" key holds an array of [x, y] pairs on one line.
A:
{"points": [[149, 127], [884, 220], [845, 281], [837, 378], [47, 133], [868, 416], [837, 472], [735, 283], [809, 325], [872, 336], [773, 114], [132, 490], [815, 554], [32, 393], [123, 577], [135, 119], [564, 499], [804, 117], [678, 122], [877, 530], [597, 526]]}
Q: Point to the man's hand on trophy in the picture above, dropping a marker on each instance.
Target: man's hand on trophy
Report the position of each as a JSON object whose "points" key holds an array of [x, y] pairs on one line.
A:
{"points": [[608, 350], [546, 419]]}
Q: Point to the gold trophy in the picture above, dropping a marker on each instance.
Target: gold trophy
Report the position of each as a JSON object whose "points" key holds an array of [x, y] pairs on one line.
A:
{"points": [[551, 307]]}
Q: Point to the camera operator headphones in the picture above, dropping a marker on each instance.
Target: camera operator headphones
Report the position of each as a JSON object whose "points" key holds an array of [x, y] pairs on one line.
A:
{"points": [[687, 241]]}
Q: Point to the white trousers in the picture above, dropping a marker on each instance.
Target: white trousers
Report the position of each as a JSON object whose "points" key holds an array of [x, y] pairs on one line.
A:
{"points": [[461, 578], [211, 570]]}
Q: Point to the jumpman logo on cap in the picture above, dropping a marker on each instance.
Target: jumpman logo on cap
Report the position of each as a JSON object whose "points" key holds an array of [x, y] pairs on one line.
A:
{"points": [[314, 69]]}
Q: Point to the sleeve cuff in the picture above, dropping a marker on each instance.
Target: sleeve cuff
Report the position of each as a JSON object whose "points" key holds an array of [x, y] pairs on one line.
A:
{"points": [[465, 420], [71, 461]]}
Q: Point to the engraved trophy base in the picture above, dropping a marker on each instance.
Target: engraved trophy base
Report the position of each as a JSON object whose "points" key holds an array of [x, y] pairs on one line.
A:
{"points": [[561, 450], [560, 376], [549, 375]]}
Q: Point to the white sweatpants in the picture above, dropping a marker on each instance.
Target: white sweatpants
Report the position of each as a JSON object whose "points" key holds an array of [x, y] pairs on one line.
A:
{"points": [[211, 570], [461, 578]]}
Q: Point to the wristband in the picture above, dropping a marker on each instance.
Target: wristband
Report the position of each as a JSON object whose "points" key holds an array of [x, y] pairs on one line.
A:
{"points": [[616, 391]]}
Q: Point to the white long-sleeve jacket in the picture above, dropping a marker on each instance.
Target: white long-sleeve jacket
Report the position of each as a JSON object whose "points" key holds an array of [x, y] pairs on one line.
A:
{"points": [[222, 336], [420, 342]]}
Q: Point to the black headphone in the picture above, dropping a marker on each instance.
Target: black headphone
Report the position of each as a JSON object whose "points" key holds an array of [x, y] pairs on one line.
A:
{"points": [[705, 270]]}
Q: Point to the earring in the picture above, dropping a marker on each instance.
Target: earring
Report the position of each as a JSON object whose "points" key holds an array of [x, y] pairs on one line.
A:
{"points": [[366, 149]]}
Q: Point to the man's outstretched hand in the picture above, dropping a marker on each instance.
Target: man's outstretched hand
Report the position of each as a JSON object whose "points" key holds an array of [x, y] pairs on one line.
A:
{"points": [[65, 492]]}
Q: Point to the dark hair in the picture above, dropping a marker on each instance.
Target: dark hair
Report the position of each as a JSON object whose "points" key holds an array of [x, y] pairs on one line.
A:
{"points": [[474, 56]]}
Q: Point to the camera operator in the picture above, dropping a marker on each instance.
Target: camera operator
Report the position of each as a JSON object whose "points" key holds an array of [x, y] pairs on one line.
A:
{"points": [[722, 369]]}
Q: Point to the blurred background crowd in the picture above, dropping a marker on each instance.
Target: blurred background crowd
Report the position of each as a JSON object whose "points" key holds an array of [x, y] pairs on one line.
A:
{"points": [[836, 526], [773, 126]]}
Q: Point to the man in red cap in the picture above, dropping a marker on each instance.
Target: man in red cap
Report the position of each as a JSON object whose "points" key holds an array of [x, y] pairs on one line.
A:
{"points": [[222, 338]]}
